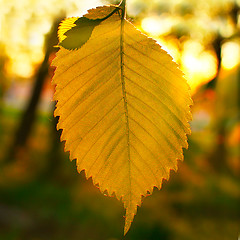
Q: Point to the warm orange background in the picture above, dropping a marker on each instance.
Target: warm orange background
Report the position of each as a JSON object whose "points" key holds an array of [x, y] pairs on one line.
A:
{"points": [[41, 194]]}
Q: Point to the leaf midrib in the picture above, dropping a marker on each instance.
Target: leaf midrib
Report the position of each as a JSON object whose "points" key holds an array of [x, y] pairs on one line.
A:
{"points": [[125, 99]]}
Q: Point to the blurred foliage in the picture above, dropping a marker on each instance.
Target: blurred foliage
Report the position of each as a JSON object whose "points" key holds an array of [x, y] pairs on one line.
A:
{"points": [[41, 194]]}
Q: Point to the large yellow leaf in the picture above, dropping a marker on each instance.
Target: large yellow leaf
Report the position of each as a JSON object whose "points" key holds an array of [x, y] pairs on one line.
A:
{"points": [[124, 109]]}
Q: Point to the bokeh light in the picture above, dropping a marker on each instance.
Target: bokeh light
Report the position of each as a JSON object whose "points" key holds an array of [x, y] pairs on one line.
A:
{"points": [[24, 25], [199, 65], [157, 25], [231, 54], [172, 46]]}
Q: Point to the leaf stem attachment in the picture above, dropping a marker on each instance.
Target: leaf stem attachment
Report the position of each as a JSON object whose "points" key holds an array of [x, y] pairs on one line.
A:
{"points": [[122, 5]]}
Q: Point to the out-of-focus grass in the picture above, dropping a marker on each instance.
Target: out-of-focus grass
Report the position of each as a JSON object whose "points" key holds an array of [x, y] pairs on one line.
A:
{"points": [[195, 204], [43, 197]]}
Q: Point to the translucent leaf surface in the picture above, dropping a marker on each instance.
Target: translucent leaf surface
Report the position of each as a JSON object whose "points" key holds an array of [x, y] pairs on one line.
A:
{"points": [[124, 110]]}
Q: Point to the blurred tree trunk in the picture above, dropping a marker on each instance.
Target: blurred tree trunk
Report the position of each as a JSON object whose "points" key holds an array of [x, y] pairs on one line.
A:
{"points": [[25, 126], [217, 45], [218, 157], [55, 153]]}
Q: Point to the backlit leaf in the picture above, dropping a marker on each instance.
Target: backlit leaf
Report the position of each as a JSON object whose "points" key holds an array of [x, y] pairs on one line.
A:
{"points": [[124, 109], [74, 32]]}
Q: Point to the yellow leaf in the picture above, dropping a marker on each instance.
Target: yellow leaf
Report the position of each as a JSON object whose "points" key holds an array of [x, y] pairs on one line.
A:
{"points": [[124, 110]]}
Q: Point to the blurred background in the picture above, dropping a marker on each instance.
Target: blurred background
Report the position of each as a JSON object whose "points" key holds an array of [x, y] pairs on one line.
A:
{"points": [[41, 194]]}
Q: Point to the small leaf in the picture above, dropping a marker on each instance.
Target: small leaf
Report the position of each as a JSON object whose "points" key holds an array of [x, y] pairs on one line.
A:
{"points": [[64, 26], [74, 32], [80, 33], [124, 108]]}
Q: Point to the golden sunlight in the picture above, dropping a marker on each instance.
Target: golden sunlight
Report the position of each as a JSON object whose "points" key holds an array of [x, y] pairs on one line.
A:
{"points": [[23, 26], [171, 45], [20, 66], [156, 25], [231, 54], [199, 65]]}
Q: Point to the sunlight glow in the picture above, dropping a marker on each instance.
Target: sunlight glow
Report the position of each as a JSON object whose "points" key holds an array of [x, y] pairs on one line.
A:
{"points": [[21, 66], [231, 54], [157, 25], [199, 65], [171, 45], [23, 29]]}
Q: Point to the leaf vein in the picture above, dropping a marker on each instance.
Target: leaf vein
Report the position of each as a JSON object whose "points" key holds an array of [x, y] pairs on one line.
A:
{"points": [[130, 45], [155, 125], [147, 148], [83, 58], [163, 92], [110, 170], [144, 161], [106, 144], [84, 99], [144, 129], [180, 123], [134, 60], [94, 125], [98, 122], [92, 67], [110, 153]]}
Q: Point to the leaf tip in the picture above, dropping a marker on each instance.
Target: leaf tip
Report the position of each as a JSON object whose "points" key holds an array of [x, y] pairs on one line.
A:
{"points": [[130, 213], [128, 223]]}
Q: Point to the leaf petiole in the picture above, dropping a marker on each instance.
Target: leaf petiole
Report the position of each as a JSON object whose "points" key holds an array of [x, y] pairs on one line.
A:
{"points": [[122, 5]]}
